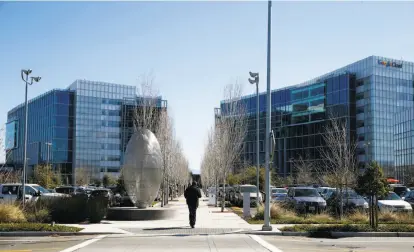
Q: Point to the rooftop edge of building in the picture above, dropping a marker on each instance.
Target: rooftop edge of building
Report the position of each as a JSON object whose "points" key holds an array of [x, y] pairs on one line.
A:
{"points": [[315, 80]]}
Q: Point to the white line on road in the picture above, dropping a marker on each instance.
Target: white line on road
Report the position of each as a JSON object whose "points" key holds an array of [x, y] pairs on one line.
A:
{"points": [[84, 244], [265, 244]]}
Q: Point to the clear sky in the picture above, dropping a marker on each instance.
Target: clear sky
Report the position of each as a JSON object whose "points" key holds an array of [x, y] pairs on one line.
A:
{"points": [[192, 48]]}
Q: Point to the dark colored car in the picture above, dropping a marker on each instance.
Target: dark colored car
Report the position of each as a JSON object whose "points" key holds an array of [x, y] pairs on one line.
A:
{"points": [[106, 193], [351, 201], [400, 190], [409, 197], [305, 200], [71, 190], [279, 194]]}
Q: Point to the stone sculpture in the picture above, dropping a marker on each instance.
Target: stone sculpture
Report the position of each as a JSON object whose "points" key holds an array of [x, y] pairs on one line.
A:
{"points": [[142, 168]]}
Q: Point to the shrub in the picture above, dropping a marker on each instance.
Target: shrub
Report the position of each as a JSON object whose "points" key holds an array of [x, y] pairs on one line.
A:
{"points": [[358, 217], [40, 216], [11, 213], [10, 227], [322, 218], [348, 228], [391, 217], [37, 211], [71, 209], [97, 208]]}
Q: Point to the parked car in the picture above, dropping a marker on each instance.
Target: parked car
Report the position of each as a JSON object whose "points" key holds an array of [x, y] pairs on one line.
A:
{"points": [[350, 201], [106, 193], [400, 190], [71, 190], [305, 199], [252, 190], [278, 194], [232, 194], [11, 192], [393, 203], [409, 197]]}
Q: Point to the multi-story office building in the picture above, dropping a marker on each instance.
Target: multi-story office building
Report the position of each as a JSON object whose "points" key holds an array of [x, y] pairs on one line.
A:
{"points": [[367, 93], [84, 126], [404, 145]]}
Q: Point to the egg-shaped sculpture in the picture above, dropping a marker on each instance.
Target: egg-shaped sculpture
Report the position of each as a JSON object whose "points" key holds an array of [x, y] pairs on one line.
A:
{"points": [[142, 168]]}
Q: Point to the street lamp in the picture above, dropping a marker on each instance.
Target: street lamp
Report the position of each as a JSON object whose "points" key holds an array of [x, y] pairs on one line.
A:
{"points": [[26, 80], [255, 80], [266, 225]]}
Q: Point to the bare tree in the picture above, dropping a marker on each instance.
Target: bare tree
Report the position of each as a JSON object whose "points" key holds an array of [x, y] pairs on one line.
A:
{"points": [[164, 135], [83, 176], [147, 105], [338, 155], [303, 170], [231, 128]]}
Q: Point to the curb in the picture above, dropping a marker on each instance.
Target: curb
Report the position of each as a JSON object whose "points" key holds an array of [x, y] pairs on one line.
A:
{"points": [[40, 233], [335, 234]]}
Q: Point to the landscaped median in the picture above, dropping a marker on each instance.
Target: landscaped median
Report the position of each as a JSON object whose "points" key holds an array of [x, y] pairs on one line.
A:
{"points": [[280, 215], [348, 230], [36, 227], [325, 225]]}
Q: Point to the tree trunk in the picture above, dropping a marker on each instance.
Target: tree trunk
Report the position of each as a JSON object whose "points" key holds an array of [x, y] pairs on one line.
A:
{"points": [[376, 212], [216, 192], [223, 200]]}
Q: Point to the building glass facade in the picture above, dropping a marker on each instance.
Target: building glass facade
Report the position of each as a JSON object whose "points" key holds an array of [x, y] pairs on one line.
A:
{"points": [[404, 145], [84, 125], [367, 93], [51, 120]]}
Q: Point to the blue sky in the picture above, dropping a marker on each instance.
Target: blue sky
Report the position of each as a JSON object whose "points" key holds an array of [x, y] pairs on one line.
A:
{"points": [[192, 48]]}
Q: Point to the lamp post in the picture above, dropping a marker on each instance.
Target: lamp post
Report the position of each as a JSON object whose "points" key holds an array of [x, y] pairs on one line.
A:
{"points": [[255, 80], [47, 162], [26, 80], [266, 225]]}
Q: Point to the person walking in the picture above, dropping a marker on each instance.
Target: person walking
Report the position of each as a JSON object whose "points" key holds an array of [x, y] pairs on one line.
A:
{"points": [[192, 194]]}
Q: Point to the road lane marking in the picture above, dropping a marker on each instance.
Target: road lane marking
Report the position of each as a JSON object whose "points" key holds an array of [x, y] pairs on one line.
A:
{"points": [[24, 250], [265, 244], [84, 244]]}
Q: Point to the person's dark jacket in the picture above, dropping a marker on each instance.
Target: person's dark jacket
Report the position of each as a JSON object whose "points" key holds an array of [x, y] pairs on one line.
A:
{"points": [[192, 194]]}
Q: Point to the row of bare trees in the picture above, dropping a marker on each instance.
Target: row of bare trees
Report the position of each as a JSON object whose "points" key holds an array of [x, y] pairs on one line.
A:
{"points": [[225, 140], [337, 166], [151, 114]]}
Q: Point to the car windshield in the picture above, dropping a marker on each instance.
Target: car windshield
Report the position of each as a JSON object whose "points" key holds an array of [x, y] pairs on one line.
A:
{"points": [[306, 193], [351, 195], [392, 196], [279, 190], [248, 189], [41, 189]]}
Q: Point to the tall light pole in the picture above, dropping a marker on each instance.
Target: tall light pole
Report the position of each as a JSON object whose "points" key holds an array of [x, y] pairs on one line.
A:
{"points": [[266, 225], [48, 159], [26, 80], [255, 80]]}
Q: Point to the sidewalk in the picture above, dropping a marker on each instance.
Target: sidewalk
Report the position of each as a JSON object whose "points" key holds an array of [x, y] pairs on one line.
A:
{"points": [[210, 220]]}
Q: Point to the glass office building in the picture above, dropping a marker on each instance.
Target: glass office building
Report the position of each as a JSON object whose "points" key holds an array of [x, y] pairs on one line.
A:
{"points": [[367, 93], [85, 124], [404, 145], [49, 133]]}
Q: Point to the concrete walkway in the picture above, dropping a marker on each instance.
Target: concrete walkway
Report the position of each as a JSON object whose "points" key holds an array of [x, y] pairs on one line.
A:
{"points": [[210, 220]]}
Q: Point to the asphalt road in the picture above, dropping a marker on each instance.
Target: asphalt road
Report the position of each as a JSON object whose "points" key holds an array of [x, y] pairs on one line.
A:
{"points": [[363, 244], [38, 244], [202, 243], [134, 243]]}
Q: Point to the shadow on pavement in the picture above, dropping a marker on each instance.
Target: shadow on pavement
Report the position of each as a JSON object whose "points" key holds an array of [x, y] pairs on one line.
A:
{"points": [[165, 228]]}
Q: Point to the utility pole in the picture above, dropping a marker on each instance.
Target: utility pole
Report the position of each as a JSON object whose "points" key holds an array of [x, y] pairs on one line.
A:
{"points": [[255, 80], [267, 226]]}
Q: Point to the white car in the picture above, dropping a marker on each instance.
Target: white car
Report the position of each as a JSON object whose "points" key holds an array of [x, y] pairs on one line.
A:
{"points": [[393, 203], [9, 192]]}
